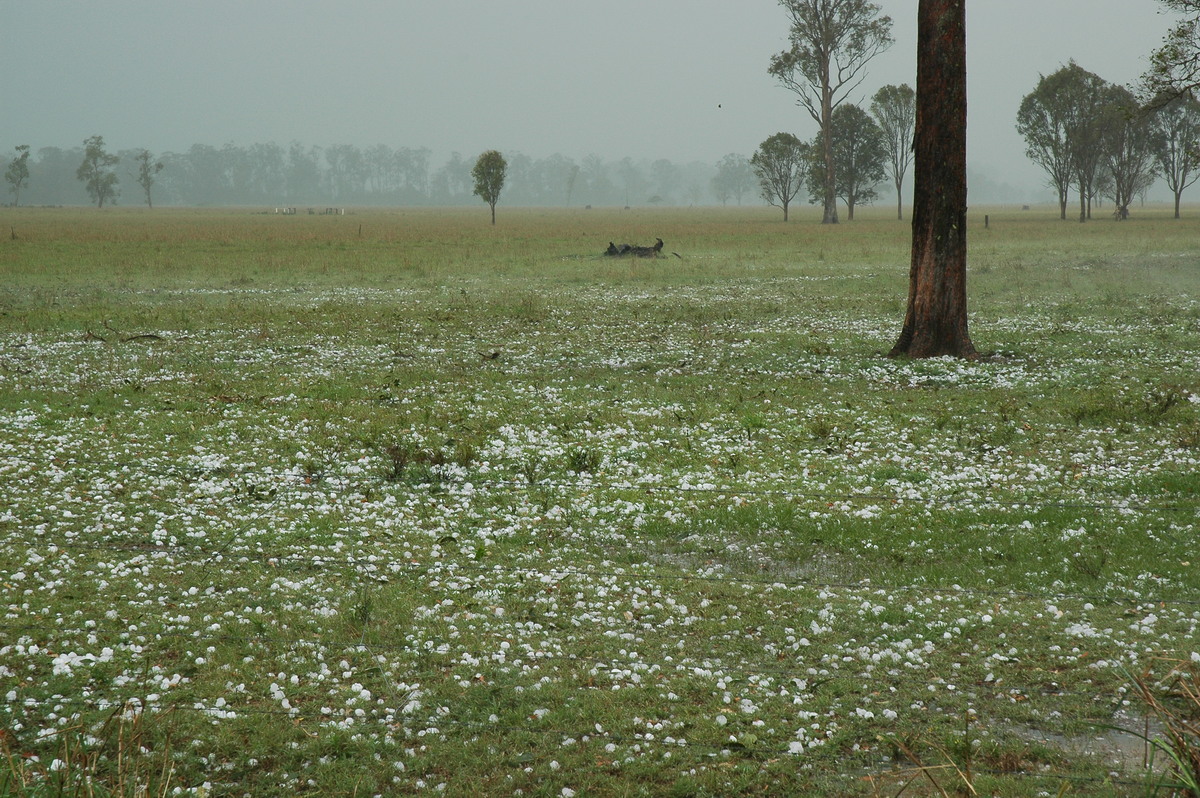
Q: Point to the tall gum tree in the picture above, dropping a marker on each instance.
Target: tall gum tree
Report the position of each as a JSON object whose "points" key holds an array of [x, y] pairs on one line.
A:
{"points": [[895, 111], [935, 322], [1177, 144], [831, 43], [1043, 120]]}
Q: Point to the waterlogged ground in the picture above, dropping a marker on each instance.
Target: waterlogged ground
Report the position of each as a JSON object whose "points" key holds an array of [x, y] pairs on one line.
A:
{"points": [[593, 539]]}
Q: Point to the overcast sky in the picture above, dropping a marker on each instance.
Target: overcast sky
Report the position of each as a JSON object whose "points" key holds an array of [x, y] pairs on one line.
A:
{"points": [[678, 79]]}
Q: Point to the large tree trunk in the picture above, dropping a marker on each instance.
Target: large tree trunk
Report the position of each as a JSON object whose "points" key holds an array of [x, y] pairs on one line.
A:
{"points": [[935, 323]]}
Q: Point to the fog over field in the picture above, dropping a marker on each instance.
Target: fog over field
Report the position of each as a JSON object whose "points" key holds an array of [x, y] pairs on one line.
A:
{"points": [[647, 79]]}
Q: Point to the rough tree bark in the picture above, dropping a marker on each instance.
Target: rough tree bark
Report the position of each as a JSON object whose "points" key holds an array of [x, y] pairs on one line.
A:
{"points": [[830, 215], [935, 323]]}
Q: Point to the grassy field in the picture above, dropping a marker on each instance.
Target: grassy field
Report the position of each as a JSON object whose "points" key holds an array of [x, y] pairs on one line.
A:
{"points": [[398, 502]]}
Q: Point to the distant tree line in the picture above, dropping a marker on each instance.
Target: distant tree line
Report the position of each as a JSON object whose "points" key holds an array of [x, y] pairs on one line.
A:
{"points": [[297, 174], [1098, 140]]}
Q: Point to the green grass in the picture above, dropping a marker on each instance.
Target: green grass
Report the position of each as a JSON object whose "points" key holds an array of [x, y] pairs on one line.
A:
{"points": [[380, 502]]}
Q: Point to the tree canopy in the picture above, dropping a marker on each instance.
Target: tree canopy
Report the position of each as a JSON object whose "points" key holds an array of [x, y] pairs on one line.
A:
{"points": [[1061, 121], [147, 169], [1175, 66], [17, 173], [734, 178], [96, 172], [488, 173], [781, 164], [859, 155], [1176, 144]]}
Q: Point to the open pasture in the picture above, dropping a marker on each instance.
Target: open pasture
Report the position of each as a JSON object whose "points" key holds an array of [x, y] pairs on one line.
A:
{"points": [[397, 502]]}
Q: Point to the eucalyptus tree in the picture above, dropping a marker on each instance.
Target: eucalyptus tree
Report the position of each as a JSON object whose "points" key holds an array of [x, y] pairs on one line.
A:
{"points": [[831, 41], [895, 111], [488, 173], [147, 169], [1061, 121], [1092, 113], [1177, 143], [1129, 147], [781, 164], [734, 178], [17, 173], [1042, 121], [96, 172], [859, 156], [1175, 66]]}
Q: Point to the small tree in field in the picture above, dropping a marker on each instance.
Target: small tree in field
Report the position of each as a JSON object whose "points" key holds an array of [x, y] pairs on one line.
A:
{"points": [[147, 169], [96, 171], [781, 164], [895, 111], [17, 174], [489, 174]]}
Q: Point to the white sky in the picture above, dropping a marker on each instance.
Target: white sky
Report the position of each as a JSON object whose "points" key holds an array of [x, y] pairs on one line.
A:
{"points": [[677, 79]]}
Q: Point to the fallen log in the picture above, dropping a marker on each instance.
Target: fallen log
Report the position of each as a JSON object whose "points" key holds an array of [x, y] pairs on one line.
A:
{"points": [[634, 251]]}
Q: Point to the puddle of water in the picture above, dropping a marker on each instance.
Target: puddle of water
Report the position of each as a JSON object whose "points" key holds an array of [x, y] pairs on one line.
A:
{"points": [[1121, 746]]}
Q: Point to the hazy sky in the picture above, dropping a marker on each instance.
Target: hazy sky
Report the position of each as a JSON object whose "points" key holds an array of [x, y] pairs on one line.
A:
{"points": [[677, 79]]}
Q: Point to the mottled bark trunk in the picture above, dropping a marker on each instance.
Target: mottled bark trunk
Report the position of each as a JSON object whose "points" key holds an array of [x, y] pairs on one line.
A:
{"points": [[935, 323], [831, 214]]}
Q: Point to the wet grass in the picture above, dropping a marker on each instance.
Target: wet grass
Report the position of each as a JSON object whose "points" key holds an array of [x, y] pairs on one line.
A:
{"points": [[396, 501]]}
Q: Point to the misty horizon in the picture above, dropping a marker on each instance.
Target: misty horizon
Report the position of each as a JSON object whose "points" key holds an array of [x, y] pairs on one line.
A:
{"points": [[644, 79]]}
